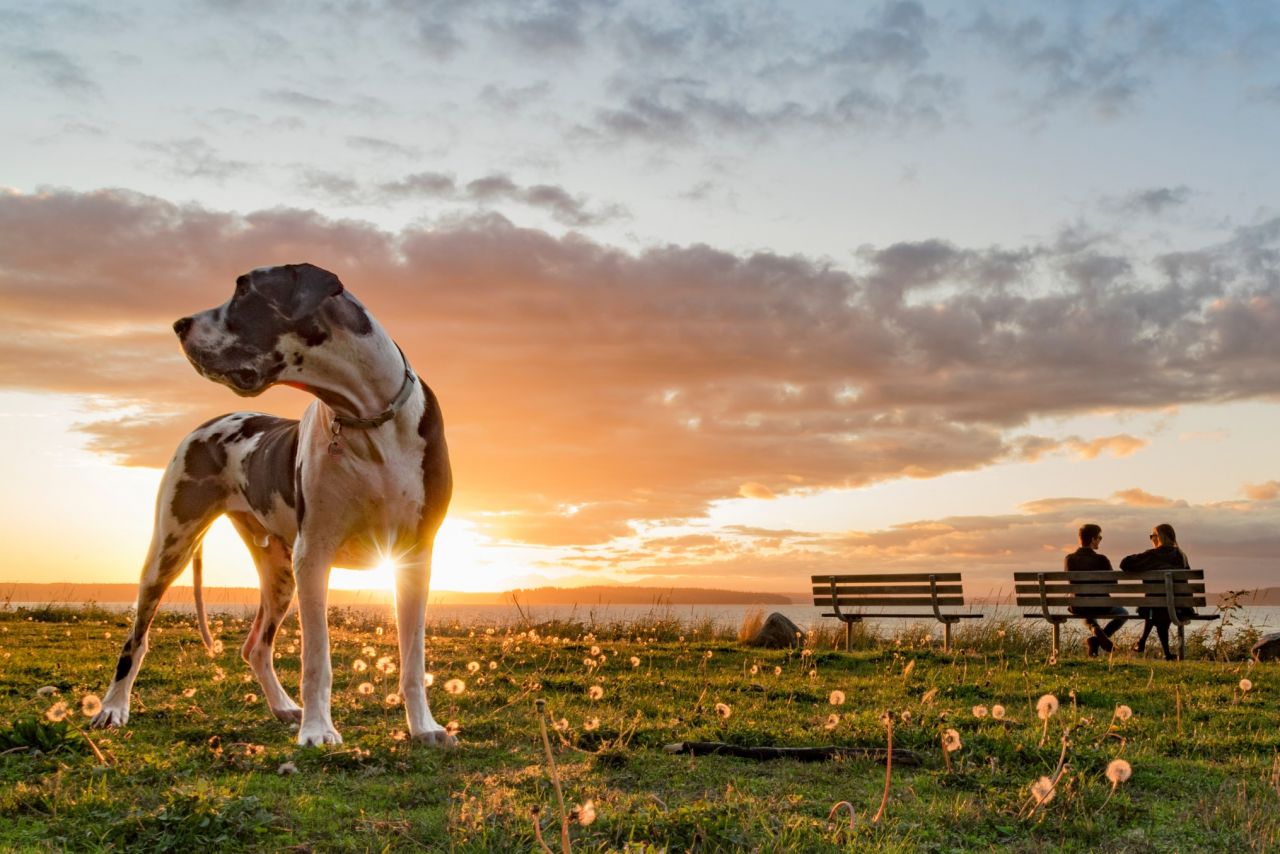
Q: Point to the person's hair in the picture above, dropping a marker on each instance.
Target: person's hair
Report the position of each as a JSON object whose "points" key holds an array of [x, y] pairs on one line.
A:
{"points": [[1088, 532], [1169, 538]]}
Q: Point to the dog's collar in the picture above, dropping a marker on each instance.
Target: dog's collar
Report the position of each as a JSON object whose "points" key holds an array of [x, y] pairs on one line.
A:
{"points": [[406, 389]]}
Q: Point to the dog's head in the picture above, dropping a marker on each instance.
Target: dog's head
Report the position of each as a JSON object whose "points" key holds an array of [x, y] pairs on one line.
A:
{"points": [[258, 335]]}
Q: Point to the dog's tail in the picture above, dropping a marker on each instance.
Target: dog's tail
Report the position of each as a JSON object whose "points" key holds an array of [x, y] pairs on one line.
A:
{"points": [[197, 585]]}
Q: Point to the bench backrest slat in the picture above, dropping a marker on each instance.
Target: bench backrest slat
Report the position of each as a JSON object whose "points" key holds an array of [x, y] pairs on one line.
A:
{"points": [[888, 577], [858, 601], [1179, 588], [1152, 601], [886, 589], [1148, 575]]}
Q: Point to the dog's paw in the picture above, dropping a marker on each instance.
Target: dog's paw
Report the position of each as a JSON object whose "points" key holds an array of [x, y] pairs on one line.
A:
{"points": [[317, 735], [288, 715], [439, 738], [110, 716]]}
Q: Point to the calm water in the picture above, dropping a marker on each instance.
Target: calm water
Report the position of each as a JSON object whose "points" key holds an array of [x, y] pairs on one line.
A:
{"points": [[1266, 619]]}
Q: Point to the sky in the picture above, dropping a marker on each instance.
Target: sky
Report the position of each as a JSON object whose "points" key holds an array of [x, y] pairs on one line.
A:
{"points": [[712, 294]]}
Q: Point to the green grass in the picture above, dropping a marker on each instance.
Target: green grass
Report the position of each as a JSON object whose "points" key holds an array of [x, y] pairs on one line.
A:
{"points": [[202, 771]]}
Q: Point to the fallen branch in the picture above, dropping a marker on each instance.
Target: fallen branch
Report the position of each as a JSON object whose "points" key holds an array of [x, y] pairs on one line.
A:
{"points": [[800, 754]]}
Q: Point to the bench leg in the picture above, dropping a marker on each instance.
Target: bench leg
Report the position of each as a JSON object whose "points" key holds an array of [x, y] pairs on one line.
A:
{"points": [[946, 637], [1056, 627]]}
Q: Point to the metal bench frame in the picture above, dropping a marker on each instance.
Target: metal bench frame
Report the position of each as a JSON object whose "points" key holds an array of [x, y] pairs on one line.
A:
{"points": [[1182, 588], [891, 589]]}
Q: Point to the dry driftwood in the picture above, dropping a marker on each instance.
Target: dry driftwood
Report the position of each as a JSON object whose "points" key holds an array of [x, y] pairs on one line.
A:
{"points": [[800, 754]]}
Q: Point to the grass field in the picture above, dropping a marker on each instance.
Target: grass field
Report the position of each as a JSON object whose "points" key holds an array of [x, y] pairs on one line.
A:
{"points": [[202, 766]]}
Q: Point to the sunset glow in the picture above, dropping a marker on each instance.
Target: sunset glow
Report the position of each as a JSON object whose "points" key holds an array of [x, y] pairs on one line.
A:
{"points": [[711, 295]]}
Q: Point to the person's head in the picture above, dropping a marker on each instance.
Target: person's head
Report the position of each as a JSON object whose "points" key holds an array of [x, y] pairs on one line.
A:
{"points": [[1090, 535], [1163, 535]]}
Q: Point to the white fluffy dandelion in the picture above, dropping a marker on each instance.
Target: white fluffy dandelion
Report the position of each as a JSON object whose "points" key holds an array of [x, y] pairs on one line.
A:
{"points": [[1046, 707], [455, 686], [836, 698], [723, 710]]}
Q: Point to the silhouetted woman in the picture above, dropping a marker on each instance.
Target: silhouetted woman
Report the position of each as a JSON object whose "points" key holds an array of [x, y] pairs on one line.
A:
{"points": [[1165, 554]]}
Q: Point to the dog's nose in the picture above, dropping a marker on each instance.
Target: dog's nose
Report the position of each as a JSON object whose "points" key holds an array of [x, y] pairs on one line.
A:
{"points": [[181, 325]]}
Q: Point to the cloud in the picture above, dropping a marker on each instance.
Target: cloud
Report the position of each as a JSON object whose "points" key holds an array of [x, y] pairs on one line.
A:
{"points": [[195, 158], [58, 70], [489, 190], [639, 387], [756, 490], [1154, 201], [1268, 491], [1141, 498], [382, 147]]}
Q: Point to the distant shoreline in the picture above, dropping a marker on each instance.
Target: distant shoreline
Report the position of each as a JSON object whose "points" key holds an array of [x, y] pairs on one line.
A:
{"points": [[114, 594], [71, 593]]}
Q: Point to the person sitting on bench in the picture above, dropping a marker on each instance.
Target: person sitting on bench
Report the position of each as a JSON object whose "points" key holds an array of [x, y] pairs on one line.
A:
{"points": [[1087, 559], [1164, 554]]}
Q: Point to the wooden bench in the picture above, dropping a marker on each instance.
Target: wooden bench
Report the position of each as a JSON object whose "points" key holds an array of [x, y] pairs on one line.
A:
{"points": [[1169, 589], [846, 595]]}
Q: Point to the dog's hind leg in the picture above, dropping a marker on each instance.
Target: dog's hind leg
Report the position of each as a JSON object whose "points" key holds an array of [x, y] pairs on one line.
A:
{"points": [[275, 574], [191, 496]]}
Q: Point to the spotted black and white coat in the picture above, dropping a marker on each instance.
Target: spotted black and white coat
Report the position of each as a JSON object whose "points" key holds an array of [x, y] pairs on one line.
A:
{"points": [[302, 497]]}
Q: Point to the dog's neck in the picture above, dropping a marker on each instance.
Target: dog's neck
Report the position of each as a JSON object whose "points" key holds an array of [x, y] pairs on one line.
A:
{"points": [[370, 378]]}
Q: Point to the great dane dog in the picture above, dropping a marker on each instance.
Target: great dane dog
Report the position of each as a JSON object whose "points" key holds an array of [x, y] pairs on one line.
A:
{"points": [[364, 477]]}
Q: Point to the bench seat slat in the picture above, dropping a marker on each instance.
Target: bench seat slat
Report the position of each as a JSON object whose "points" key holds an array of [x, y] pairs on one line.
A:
{"points": [[886, 589], [1067, 617], [885, 577], [853, 602]]}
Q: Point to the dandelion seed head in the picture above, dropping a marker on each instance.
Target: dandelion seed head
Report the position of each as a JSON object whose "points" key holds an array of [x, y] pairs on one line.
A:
{"points": [[635, 661], [997, 712], [189, 693], [365, 688], [595, 692], [755, 668], [455, 686], [90, 705], [429, 679], [1123, 712], [386, 665], [392, 699], [595, 651], [57, 712], [836, 698], [1119, 771], [493, 665], [586, 813], [250, 698], [723, 710], [473, 667], [951, 741], [453, 727], [979, 711], [561, 725], [368, 652], [1246, 685], [833, 721], [591, 724], [777, 670], [1042, 791], [286, 769], [1046, 707], [359, 665]]}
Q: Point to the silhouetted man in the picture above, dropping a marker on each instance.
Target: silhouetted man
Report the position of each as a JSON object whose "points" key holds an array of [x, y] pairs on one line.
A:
{"points": [[1087, 559]]}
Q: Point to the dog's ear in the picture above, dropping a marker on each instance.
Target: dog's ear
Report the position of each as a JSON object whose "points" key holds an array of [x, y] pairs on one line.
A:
{"points": [[312, 286]]}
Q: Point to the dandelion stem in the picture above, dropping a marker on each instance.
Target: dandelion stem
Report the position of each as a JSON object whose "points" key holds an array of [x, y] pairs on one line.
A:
{"points": [[946, 754], [541, 706], [836, 808], [888, 772], [1177, 693]]}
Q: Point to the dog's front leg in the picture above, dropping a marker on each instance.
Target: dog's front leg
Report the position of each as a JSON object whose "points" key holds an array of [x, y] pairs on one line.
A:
{"points": [[311, 570], [412, 581]]}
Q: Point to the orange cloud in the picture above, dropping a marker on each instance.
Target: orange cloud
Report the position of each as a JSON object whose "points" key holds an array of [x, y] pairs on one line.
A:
{"points": [[756, 490], [641, 386], [1141, 498], [1268, 491]]}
